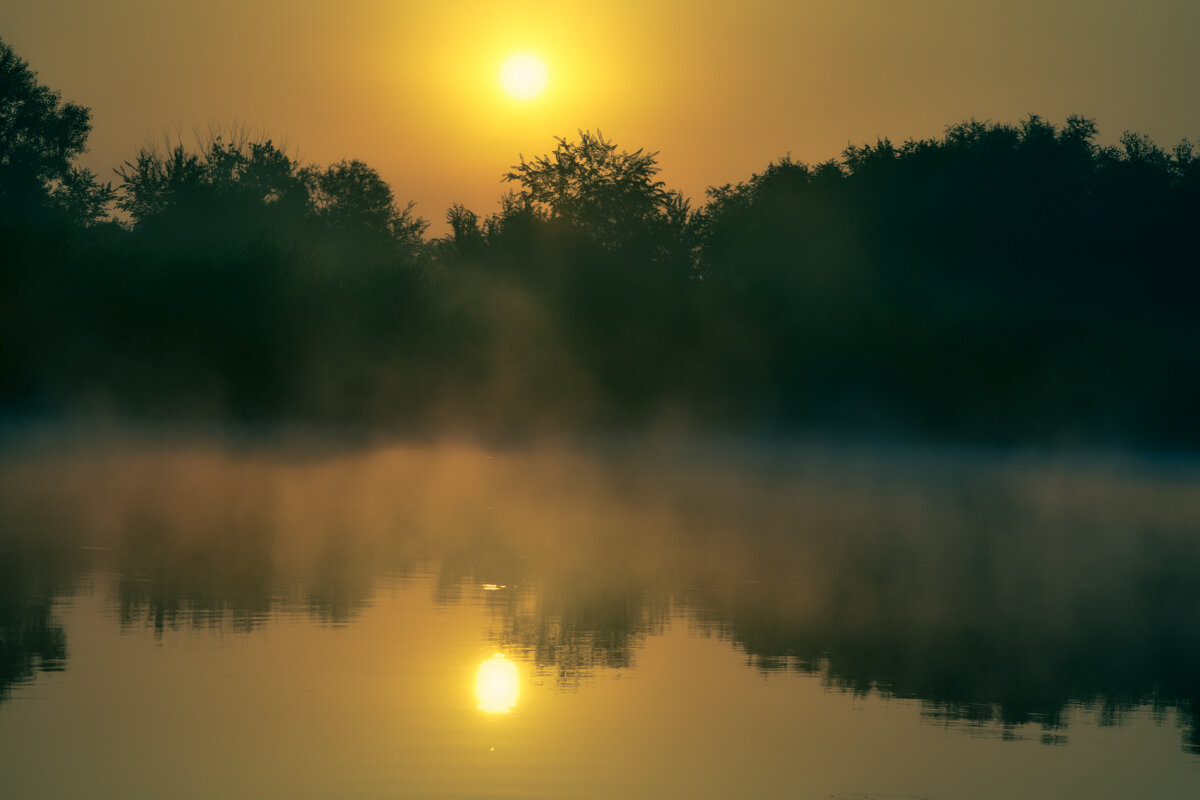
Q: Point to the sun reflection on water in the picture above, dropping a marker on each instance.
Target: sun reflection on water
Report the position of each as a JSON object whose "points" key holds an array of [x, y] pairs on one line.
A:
{"points": [[496, 685]]}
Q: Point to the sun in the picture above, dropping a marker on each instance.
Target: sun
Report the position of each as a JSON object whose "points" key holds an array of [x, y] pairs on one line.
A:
{"points": [[523, 76]]}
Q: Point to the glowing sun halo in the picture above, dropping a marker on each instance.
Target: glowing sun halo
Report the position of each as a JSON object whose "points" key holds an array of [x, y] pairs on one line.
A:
{"points": [[497, 685], [523, 76]]}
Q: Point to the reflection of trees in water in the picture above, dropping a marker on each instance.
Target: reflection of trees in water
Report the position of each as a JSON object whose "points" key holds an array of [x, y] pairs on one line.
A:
{"points": [[568, 614], [999, 617], [233, 578], [577, 625], [40, 563], [31, 640], [1007, 598], [1004, 595], [34, 576], [225, 577], [192, 536], [1000, 669]]}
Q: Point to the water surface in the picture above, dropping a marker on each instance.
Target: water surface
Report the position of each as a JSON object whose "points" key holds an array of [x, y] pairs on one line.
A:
{"points": [[205, 619]]}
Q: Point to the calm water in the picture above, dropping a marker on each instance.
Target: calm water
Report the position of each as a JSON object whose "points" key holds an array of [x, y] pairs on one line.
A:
{"points": [[196, 620]]}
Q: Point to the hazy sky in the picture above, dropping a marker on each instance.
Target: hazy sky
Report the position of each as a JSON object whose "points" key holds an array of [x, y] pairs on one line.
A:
{"points": [[719, 88]]}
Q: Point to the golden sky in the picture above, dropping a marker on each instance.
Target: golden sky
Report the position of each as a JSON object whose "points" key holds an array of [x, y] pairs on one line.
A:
{"points": [[719, 88]]}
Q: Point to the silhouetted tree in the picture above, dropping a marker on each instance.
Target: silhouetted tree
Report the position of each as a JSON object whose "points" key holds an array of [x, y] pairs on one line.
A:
{"points": [[610, 196], [465, 233], [233, 189], [1002, 281], [608, 193], [613, 245], [350, 196], [40, 137]]}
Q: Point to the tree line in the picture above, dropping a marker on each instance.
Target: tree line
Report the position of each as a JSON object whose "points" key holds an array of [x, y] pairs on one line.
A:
{"points": [[1001, 282]]}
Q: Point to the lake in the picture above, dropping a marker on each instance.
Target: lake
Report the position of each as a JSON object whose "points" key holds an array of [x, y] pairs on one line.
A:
{"points": [[197, 617]]}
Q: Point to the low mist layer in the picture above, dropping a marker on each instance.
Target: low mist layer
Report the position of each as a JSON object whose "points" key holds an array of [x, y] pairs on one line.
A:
{"points": [[994, 588]]}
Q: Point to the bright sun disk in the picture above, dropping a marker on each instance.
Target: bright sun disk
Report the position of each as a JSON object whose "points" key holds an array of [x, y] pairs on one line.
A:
{"points": [[523, 76]]}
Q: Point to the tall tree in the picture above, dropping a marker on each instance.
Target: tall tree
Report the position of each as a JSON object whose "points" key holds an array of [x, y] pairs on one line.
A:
{"points": [[611, 195], [40, 137]]}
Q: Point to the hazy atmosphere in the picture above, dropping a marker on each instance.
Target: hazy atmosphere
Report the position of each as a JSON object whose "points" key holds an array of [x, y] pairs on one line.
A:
{"points": [[692, 400], [411, 88]]}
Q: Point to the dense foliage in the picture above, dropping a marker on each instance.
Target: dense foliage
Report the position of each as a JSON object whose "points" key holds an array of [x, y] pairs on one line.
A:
{"points": [[1002, 282]]}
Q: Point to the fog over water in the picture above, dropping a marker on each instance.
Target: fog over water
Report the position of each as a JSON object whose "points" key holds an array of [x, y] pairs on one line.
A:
{"points": [[995, 587]]}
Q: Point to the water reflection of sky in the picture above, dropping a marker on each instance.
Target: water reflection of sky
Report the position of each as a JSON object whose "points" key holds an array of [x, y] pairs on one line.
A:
{"points": [[333, 628], [387, 706]]}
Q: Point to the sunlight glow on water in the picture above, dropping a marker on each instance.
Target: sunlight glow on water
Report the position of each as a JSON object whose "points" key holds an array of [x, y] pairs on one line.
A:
{"points": [[856, 626], [497, 685]]}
